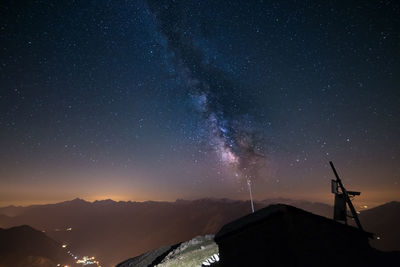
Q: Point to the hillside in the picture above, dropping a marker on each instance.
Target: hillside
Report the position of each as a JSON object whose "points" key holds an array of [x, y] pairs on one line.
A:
{"points": [[189, 254], [384, 222], [134, 227], [277, 235], [25, 246]]}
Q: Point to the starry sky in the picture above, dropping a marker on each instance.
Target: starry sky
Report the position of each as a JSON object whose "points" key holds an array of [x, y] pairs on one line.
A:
{"points": [[166, 99]]}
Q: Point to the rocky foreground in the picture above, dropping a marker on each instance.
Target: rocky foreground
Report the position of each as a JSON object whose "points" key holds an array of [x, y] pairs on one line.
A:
{"points": [[192, 253], [279, 235]]}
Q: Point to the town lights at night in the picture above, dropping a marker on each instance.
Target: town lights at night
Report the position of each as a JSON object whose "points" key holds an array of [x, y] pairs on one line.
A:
{"points": [[88, 260]]}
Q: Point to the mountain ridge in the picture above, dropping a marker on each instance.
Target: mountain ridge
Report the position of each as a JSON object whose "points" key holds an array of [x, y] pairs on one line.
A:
{"points": [[137, 227], [24, 246]]}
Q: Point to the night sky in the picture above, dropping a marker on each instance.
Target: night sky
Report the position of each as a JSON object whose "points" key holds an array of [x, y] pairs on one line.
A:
{"points": [[159, 100]]}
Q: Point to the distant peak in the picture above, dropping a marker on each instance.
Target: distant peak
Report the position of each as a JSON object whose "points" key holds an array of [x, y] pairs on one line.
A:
{"points": [[78, 200], [75, 201], [104, 201]]}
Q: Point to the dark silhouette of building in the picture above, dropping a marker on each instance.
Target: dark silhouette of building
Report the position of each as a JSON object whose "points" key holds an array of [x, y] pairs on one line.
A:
{"points": [[282, 235]]}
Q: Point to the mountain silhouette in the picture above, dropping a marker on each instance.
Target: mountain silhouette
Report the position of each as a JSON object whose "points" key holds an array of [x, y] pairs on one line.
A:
{"points": [[384, 222], [25, 246], [277, 235], [282, 235], [115, 231]]}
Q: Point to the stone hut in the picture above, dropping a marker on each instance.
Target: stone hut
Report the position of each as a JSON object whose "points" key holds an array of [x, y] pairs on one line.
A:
{"points": [[282, 235]]}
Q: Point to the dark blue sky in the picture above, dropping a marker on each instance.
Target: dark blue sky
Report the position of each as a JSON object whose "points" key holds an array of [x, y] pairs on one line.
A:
{"points": [[185, 99]]}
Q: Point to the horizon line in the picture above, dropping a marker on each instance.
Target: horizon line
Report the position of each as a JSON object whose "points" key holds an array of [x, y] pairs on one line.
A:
{"points": [[165, 201]]}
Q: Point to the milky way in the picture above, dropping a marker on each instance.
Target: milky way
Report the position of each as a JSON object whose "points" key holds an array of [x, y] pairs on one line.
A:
{"points": [[149, 99], [231, 130]]}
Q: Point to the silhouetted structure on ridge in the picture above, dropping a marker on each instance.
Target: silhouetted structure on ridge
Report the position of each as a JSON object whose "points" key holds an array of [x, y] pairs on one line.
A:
{"points": [[343, 197], [282, 235]]}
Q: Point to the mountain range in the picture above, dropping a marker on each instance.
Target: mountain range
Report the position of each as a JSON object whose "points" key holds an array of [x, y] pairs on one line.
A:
{"points": [[114, 231]]}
